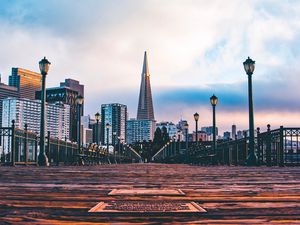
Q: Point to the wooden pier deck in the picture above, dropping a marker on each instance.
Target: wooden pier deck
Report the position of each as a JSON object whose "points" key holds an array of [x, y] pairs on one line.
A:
{"points": [[230, 195]]}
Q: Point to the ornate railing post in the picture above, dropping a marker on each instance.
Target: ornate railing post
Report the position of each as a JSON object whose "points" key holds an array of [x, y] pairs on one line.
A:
{"points": [[236, 151], [57, 152], [13, 143], [258, 146], [48, 151], [281, 148], [268, 146], [228, 147], [26, 144], [72, 158], [66, 151], [245, 147], [173, 148], [167, 151], [36, 145]]}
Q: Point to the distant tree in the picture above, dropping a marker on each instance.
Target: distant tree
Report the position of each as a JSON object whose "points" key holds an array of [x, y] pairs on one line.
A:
{"points": [[161, 137], [165, 135], [157, 136]]}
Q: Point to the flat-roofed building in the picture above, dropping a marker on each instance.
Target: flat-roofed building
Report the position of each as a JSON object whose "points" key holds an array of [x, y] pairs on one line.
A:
{"points": [[115, 115], [27, 82], [67, 96], [5, 92], [75, 86], [25, 111], [139, 130]]}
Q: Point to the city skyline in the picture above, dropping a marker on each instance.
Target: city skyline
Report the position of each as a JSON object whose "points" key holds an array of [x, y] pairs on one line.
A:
{"points": [[192, 55]]}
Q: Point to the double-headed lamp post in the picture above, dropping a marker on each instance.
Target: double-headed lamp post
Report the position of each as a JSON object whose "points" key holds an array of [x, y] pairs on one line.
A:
{"points": [[249, 66], [97, 117], [79, 102], [214, 102], [44, 68], [196, 117]]}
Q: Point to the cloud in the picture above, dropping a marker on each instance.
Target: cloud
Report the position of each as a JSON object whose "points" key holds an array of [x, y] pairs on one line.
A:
{"points": [[195, 48]]}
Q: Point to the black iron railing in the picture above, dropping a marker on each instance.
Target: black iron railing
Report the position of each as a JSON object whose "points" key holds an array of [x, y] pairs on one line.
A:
{"points": [[19, 147], [277, 147]]}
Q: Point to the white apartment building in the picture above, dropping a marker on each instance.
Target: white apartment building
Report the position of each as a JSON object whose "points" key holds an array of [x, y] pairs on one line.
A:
{"points": [[25, 111]]}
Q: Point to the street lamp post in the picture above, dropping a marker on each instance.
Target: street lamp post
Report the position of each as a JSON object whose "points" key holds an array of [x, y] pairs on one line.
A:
{"points": [[174, 145], [179, 132], [249, 66], [108, 126], [97, 117], [114, 138], [44, 68], [214, 102], [114, 144], [186, 127], [119, 148], [196, 117], [79, 102], [119, 144]]}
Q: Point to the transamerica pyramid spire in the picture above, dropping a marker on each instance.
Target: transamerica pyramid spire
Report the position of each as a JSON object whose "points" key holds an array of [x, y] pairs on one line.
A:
{"points": [[145, 107]]}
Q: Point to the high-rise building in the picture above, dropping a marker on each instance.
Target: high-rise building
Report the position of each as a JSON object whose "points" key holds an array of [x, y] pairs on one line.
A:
{"points": [[139, 130], [171, 128], [182, 131], [89, 130], [67, 96], [5, 92], [240, 134], [26, 81], [209, 130], [145, 108], [93, 126], [75, 86], [86, 131], [142, 129], [87, 136], [233, 131], [201, 136], [115, 115], [25, 111], [85, 121], [226, 135]]}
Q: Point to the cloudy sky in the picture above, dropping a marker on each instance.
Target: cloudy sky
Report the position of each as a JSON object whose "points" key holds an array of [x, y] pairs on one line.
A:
{"points": [[195, 48]]}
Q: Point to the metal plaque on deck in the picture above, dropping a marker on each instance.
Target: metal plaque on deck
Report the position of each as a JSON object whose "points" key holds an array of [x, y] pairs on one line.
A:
{"points": [[147, 207]]}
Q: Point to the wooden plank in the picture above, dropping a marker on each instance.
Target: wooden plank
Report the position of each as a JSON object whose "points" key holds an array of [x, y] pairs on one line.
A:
{"points": [[231, 195]]}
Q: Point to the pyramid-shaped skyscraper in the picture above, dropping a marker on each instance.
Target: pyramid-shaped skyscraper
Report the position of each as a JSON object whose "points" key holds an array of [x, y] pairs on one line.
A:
{"points": [[145, 108]]}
